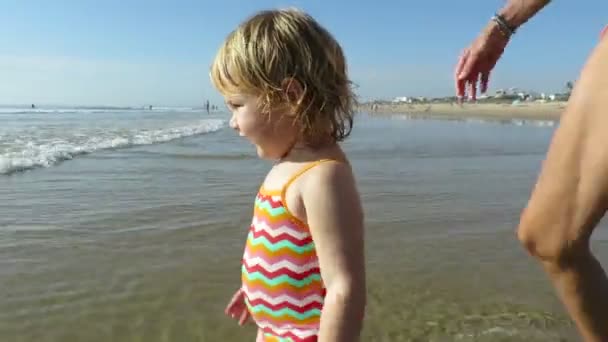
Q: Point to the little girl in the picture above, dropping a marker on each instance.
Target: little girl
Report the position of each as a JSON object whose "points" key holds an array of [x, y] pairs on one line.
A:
{"points": [[303, 277]]}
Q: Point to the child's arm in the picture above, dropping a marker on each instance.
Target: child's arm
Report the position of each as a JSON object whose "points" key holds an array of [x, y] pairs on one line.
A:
{"points": [[335, 217]]}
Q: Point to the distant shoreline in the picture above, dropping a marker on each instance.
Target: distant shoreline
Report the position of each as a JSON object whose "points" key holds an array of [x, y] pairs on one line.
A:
{"points": [[549, 111]]}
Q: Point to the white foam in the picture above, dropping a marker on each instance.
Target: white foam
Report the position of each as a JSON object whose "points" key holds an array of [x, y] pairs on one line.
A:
{"points": [[491, 331], [48, 153]]}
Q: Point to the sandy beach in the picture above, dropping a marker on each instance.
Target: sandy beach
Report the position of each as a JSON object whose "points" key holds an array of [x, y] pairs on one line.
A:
{"points": [[489, 111]]}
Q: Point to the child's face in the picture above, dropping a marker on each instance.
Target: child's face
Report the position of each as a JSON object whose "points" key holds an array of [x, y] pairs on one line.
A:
{"points": [[273, 134]]}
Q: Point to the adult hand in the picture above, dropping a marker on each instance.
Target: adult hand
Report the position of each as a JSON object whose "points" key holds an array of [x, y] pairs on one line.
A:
{"points": [[478, 60]]}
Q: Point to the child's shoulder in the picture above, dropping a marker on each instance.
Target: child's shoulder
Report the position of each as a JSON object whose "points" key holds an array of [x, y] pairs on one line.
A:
{"points": [[307, 185], [330, 193], [332, 179], [309, 175], [329, 172]]}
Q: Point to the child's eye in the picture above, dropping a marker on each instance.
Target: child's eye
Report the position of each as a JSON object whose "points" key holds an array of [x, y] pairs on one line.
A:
{"points": [[233, 105]]}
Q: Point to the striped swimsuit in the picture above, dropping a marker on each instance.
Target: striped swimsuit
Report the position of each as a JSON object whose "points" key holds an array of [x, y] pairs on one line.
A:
{"points": [[280, 272]]}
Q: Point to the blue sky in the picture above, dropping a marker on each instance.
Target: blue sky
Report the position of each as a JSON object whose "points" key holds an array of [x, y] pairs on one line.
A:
{"points": [[158, 52]]}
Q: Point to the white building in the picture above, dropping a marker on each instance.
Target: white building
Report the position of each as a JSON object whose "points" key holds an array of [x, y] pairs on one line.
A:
{"points": [[402, 99]]}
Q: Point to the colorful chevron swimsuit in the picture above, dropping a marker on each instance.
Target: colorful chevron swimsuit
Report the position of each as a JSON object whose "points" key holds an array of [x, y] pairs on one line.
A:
{"points": [[281, 278]]}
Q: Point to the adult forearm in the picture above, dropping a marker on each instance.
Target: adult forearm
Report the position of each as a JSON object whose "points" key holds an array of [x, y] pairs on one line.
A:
{"points": [[517, 12], [342, 316]]}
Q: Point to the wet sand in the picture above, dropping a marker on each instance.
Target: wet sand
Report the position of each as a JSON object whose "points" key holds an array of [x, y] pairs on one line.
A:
{"points": [[525, 111]]}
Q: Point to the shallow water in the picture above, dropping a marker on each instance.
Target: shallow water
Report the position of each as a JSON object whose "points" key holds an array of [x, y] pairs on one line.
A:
{"points": [[142, 241]]}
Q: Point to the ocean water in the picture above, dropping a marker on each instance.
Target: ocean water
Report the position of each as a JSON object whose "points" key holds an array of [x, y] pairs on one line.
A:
{"points": [[123, 224]]}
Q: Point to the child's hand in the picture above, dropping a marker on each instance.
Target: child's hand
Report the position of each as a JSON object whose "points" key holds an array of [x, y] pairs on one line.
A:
{"points": [[237, 308]]}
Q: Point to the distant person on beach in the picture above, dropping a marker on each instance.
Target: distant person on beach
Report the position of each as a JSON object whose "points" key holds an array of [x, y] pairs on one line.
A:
{"points": [[571, 194], [303, 269]]}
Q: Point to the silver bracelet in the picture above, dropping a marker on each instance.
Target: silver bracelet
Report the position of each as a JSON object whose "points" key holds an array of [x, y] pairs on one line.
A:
{"points": [[504, 27]]}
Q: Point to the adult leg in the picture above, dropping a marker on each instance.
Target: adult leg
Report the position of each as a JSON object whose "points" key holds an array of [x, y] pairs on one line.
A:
{"points": [[570, 198]]}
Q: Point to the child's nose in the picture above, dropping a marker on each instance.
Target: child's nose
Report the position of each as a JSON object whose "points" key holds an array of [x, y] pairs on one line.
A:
{"points": [[233, 124]]}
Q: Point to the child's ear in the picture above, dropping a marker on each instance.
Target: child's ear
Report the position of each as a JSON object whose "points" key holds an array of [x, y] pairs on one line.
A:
{"points": [[292, 90]]}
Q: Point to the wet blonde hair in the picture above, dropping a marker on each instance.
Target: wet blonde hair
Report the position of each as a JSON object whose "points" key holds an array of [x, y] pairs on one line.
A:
{"points": [[276, 46]]}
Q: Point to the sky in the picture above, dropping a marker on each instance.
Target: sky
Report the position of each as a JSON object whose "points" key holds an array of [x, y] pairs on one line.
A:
{"points": [[135, 52]]}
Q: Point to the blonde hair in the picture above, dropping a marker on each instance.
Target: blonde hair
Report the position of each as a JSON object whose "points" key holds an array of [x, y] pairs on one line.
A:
{"points": [[278, 45]]}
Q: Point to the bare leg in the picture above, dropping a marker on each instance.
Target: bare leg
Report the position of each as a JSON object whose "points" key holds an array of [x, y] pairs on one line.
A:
{"points": [[583, 288], [570, 198]]}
